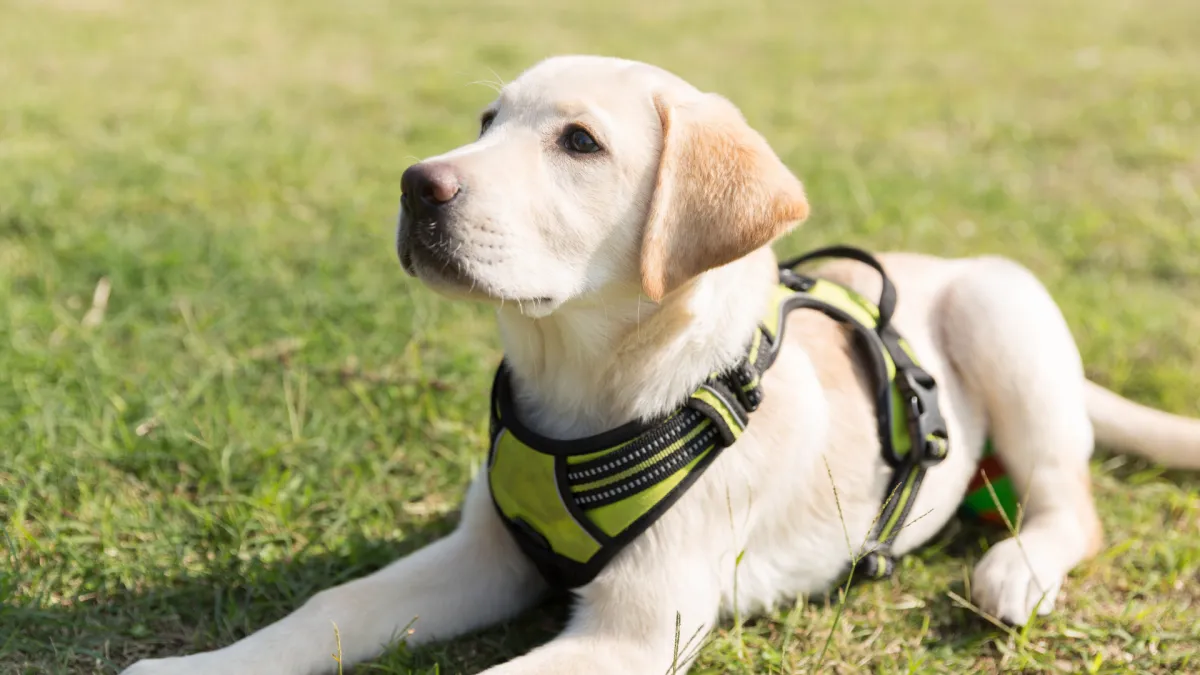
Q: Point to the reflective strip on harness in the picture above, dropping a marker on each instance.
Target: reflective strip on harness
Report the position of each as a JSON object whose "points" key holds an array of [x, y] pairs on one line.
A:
{"points": [[616, 516]]}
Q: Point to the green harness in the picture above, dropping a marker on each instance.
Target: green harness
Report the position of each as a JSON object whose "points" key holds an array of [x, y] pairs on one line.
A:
{"points": [[573, 505]]}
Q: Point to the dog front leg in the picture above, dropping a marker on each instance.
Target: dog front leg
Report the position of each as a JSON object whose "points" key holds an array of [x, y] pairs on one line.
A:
{"points": [[646, 615], [474, 577]]}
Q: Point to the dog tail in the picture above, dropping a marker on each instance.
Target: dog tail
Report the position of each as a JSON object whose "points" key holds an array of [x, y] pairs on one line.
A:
{"points": [[1170, 440]]}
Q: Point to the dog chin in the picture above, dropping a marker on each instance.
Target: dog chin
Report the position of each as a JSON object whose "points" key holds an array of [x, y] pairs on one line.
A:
{"points": [[535, 308], [460, 287], [530, 307]]}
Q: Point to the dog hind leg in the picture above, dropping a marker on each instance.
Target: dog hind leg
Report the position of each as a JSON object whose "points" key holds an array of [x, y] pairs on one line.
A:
{"points": [[1013, 349]]}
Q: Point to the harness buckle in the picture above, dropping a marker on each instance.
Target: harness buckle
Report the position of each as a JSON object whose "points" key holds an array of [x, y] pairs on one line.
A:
{"points": [[795, 281], [927, 427], [877, 564], [746, 383]]}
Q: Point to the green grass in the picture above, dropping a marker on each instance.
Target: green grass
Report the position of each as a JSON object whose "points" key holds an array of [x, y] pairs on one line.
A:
{"points": [[267, 406]]}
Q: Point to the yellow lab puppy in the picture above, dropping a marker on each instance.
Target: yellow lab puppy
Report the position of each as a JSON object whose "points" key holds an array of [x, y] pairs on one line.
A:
{"points": [[621, 220]]}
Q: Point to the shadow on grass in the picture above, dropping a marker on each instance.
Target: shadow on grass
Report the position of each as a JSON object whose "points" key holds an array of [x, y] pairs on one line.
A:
{"points": [[233, 598], [167, 617], [170, 617]]}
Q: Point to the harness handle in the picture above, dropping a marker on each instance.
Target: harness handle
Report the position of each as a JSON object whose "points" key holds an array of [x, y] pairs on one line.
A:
{"points": [[887, 298]]}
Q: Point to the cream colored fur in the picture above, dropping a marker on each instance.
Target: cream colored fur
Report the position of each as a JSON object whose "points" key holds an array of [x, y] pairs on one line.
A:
{"points": [[572, 249]]}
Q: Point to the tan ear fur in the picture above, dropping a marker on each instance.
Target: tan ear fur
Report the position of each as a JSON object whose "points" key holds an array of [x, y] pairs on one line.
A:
{"points": [[721, 194]]}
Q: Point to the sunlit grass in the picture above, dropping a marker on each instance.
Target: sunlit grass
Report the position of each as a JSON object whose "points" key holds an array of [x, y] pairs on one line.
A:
{"points": [[265, 406]]}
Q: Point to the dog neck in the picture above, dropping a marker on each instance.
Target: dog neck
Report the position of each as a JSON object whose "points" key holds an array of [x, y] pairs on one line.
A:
{"points": [[613, 357]]}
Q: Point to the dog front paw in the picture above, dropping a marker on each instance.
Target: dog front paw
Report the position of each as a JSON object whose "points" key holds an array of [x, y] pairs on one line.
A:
{"points": [[172, 666], [198, 664]]}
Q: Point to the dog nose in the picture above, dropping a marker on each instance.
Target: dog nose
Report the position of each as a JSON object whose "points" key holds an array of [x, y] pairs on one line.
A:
{"points": [[429, 186]]}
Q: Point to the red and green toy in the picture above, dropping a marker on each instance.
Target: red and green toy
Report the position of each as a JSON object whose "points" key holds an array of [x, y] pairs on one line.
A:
{"points": [[995, 504]]}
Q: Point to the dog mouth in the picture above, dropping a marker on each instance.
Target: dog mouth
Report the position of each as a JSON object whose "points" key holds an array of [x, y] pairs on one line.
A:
{"points": [[426, 255]]}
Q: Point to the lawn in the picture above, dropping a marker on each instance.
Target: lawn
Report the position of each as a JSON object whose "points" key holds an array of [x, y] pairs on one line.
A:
{"points": [[219, 393]]}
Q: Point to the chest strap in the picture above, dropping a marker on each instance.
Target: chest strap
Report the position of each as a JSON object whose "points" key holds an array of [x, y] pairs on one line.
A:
{"points": [[573, 505]]}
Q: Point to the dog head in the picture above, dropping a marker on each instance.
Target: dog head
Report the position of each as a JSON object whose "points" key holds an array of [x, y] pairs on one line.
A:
{"points": [[592, 172]]}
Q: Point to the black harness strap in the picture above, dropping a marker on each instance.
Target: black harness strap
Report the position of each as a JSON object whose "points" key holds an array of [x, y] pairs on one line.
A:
{"points": [[918, 391], [887, 296]]}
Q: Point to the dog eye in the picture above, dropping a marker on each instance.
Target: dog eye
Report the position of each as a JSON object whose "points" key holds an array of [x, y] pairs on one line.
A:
{"points": [[486, 121], [577, 139]]}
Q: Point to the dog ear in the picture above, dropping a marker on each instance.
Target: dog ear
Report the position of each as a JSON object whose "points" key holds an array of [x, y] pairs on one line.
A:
{"points": [[721, 193]]}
